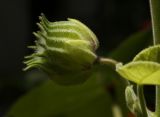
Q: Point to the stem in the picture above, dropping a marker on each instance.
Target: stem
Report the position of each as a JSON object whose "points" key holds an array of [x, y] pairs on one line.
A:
{"points": [[158, 101], [142, 100], [155, 15], [107, 61]]}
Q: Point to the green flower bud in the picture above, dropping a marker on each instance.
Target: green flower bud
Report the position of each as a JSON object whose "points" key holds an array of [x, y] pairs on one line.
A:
{"points": [[132, 100], [65, 50]]}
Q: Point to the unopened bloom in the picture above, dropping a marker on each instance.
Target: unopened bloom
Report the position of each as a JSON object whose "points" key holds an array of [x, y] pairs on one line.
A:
{"points": [[65, 50], [132, 100]]}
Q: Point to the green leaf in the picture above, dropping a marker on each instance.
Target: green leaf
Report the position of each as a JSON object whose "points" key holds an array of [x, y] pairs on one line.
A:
{"points": [[52, 100], [149, 54], [141, 72], [145, 67]]}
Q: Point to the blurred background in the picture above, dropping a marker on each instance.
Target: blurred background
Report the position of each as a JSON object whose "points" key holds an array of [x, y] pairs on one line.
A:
{"points": [[111, 20]]}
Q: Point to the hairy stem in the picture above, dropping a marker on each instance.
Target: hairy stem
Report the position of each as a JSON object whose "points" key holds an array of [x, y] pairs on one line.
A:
{"points": [[155, 15], [107, 61], [142, 100]]}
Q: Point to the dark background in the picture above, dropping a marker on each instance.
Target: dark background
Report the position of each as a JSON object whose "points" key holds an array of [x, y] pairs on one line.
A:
{"points": [[111, 20]]}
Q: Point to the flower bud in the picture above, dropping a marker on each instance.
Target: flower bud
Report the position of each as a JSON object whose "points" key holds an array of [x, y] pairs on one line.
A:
{"points": [[132, 100], [65, 50]]}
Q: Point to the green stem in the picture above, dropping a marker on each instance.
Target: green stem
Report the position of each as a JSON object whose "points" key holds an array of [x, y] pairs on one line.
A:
{"points": [[158, 101], [142, 100], [155, 15], [107, 61]]}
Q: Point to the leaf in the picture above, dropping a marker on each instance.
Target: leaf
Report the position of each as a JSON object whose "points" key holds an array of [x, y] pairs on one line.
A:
{"points": [[141, 72], [52, 100], [149, 54], [145, 67]]}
